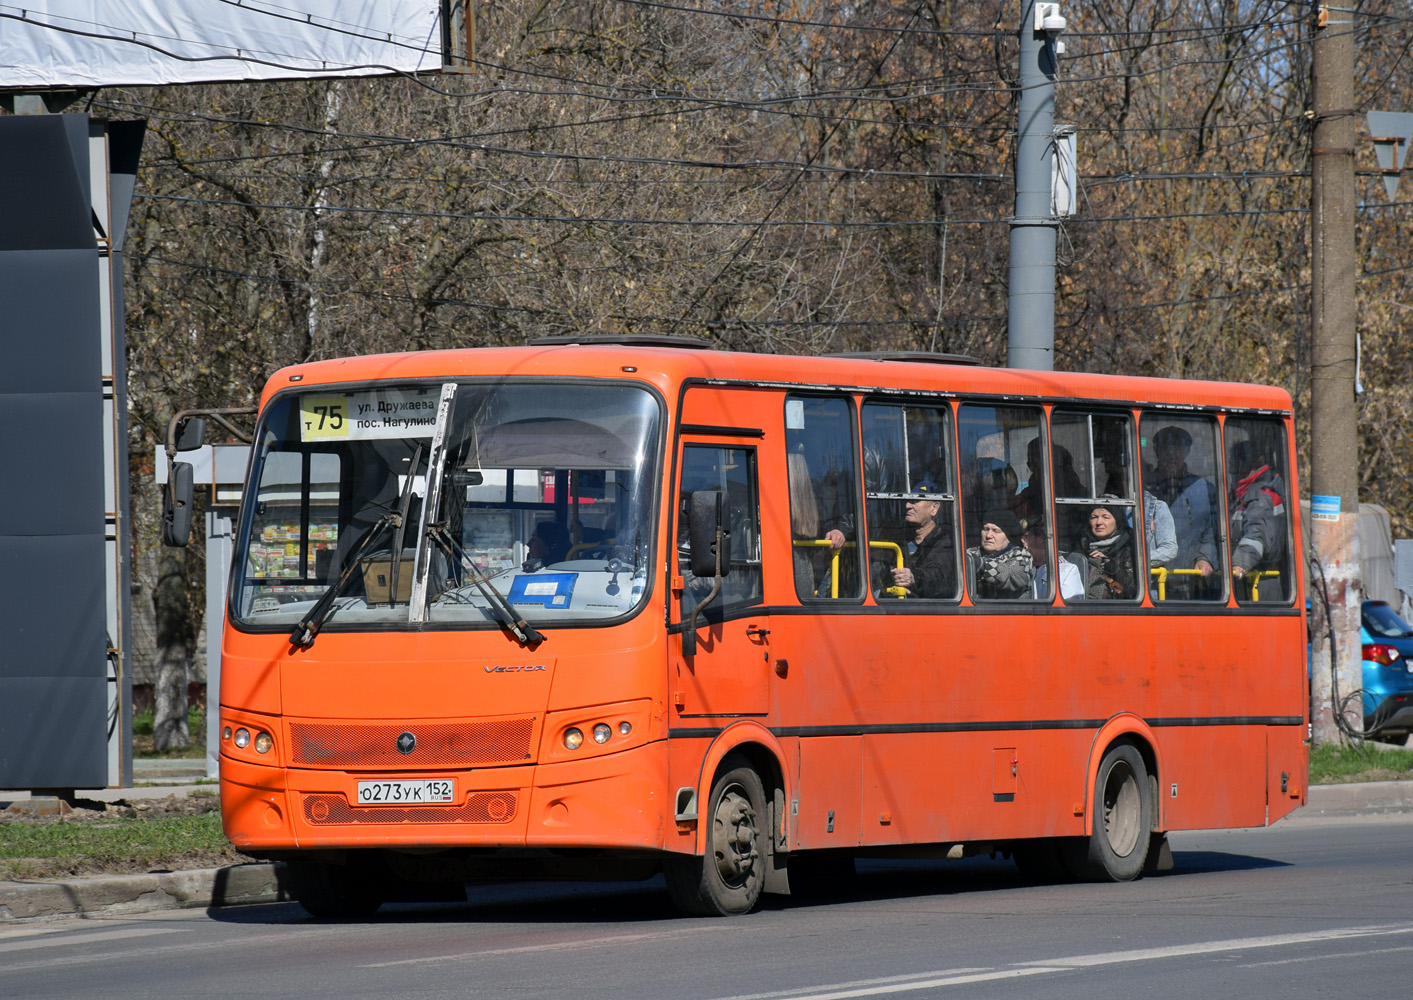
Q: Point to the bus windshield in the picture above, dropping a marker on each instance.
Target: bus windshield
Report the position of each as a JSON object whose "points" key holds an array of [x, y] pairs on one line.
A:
{"points": [[460, 504]]}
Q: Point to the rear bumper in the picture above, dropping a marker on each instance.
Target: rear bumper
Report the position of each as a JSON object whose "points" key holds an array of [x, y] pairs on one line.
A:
{"points": [[611, 801], [1393, 715]]}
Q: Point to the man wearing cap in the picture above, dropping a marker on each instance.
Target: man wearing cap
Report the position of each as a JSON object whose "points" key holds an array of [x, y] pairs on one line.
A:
{"points": [[1000, 567], [928, 568], [1192, 501]]}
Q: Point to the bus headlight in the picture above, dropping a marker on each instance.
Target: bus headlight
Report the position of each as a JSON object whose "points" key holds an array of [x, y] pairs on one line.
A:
{"points": [[264, 742], [242, 737], [602, 733], [573, 738]]}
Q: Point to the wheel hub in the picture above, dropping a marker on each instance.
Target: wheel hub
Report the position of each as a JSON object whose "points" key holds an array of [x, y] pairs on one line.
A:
{"points": [[734, 836]]}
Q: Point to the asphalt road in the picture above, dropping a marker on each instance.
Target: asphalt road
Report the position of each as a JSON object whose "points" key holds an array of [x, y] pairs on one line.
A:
{"points": [[1316, 907]]}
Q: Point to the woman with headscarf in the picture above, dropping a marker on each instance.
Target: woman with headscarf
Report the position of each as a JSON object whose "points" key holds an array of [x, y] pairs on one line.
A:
{"points": [[1109, 549], [1000, 567]]}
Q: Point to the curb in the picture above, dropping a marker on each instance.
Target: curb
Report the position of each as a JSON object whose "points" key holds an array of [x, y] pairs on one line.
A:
{"points": [[264, 882], [107, 895]]}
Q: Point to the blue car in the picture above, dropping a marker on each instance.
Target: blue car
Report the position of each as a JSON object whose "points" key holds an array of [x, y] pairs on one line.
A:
{"points": [[1388, 673]]}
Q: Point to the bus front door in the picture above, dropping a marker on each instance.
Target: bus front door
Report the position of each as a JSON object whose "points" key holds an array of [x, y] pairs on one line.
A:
{"points": [[727, 674]]}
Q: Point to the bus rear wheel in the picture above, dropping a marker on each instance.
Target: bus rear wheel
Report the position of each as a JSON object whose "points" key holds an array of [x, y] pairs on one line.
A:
{"points": [[1117, 848], [334, 892], [729, 878]]}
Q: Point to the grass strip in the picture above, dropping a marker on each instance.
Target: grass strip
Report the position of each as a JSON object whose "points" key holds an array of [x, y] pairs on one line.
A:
{"points": [[113, 845], [1332, 763]]}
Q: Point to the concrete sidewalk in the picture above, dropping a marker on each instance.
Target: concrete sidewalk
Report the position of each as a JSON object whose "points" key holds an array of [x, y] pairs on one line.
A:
{"points": [[236, 885]]}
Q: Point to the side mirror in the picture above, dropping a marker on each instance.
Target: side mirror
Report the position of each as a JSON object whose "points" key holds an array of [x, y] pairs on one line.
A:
{"points": [[177, 503], [706, 517], [191, 433]]}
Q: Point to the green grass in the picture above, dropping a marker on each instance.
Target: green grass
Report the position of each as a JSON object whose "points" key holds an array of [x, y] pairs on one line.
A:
{"points": [[113, 844], [195, 721], [1334, 763]]}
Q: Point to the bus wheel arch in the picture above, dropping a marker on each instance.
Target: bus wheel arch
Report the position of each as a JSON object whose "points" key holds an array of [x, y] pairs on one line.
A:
{"points": [[1121, 817], [739, 824]]}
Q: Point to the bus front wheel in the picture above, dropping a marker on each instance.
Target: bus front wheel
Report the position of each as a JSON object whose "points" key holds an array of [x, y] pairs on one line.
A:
{"points": [[1117, 848], [729, 878], [333, 892]]}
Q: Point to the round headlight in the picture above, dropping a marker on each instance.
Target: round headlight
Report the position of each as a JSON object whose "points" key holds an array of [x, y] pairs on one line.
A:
{"points": [[264, 742], [226, 733], [573, 738], [602, 733], [624, 728], [242, 737]]}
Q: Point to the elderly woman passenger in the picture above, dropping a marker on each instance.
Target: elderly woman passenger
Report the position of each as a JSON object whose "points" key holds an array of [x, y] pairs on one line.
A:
{"points": [[1000, 566], [1109, 548]]}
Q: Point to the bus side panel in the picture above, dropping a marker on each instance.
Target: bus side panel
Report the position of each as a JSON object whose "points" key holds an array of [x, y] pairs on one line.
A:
{"points": [[828, 792], [948, 787], [1288, 763], [1215, 776]]}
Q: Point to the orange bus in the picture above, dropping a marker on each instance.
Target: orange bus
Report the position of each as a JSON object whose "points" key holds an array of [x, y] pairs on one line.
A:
{"points": [[608, 609]]}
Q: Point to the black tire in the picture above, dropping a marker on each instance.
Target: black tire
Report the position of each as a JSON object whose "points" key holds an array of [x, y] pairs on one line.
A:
{"points": [[729, 879], [1117, 849], [334, 892]]}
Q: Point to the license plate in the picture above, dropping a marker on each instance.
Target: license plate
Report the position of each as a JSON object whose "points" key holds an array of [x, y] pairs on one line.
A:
{"points": [[430, 791]]}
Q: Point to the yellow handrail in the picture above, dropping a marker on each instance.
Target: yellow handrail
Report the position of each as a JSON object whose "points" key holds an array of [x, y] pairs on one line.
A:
{"points": [[834, 561], [1162, 573]]}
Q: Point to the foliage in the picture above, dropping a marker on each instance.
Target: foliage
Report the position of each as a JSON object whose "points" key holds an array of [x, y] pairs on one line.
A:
{"points": [[142, 721], [777, 175]]}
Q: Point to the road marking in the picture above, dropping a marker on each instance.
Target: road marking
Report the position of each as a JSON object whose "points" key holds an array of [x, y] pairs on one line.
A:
{"points": [[1231, 944], [1325, 957], [532, 948], [959, 977], [853, 983], [85, 938]]}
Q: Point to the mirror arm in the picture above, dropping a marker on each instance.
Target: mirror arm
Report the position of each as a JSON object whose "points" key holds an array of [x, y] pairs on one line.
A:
{"points": [[689, 636]]}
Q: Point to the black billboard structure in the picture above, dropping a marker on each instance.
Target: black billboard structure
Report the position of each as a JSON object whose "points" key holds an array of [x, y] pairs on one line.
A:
{"points": [[66, 184]]}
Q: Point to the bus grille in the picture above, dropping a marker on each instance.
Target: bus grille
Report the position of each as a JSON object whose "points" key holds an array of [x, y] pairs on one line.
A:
{"points": [[479, 807], [365, 746]]}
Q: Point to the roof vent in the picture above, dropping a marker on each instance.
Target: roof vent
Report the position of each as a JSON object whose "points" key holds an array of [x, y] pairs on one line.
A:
{"points": [[624, 340], [913, 357]]}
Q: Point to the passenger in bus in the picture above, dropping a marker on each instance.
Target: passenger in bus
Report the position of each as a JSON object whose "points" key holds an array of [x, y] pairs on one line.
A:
{"points": [[929, 564], [804, 525], [548, 544], [1158, 531], [1000, 567], [1192, 504], [1258, 523], [1071, 583], [1109, 550]]}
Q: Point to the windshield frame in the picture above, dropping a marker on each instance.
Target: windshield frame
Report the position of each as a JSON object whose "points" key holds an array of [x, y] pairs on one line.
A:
{"points": [[656, 443]]}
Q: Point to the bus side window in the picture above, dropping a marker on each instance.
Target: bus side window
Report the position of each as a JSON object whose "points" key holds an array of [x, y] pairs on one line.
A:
{"points": [[1180, 470], [822, 465], [1098, 515], [733, 472], [911, 503], [1257, 506], [994, 448]]}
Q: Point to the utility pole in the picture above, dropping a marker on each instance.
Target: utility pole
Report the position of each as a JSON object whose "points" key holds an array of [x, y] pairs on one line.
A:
{"points": [[1333, 426], [1030, 337]]}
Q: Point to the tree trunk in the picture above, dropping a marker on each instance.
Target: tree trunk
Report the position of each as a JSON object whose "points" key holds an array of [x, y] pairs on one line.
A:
{"points": [[172, 602]]}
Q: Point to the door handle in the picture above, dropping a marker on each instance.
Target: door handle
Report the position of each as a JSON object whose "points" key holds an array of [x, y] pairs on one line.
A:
{"points": [[762, 632]]}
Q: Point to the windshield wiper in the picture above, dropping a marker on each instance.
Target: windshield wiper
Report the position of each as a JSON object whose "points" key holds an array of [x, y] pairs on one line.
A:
{"points": [[314, 618], [500, 607]]}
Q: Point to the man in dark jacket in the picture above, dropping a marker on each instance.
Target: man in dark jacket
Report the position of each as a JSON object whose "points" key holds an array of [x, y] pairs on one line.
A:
{"points": [[1192, 501], [1258, 525], [929, 566]]}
